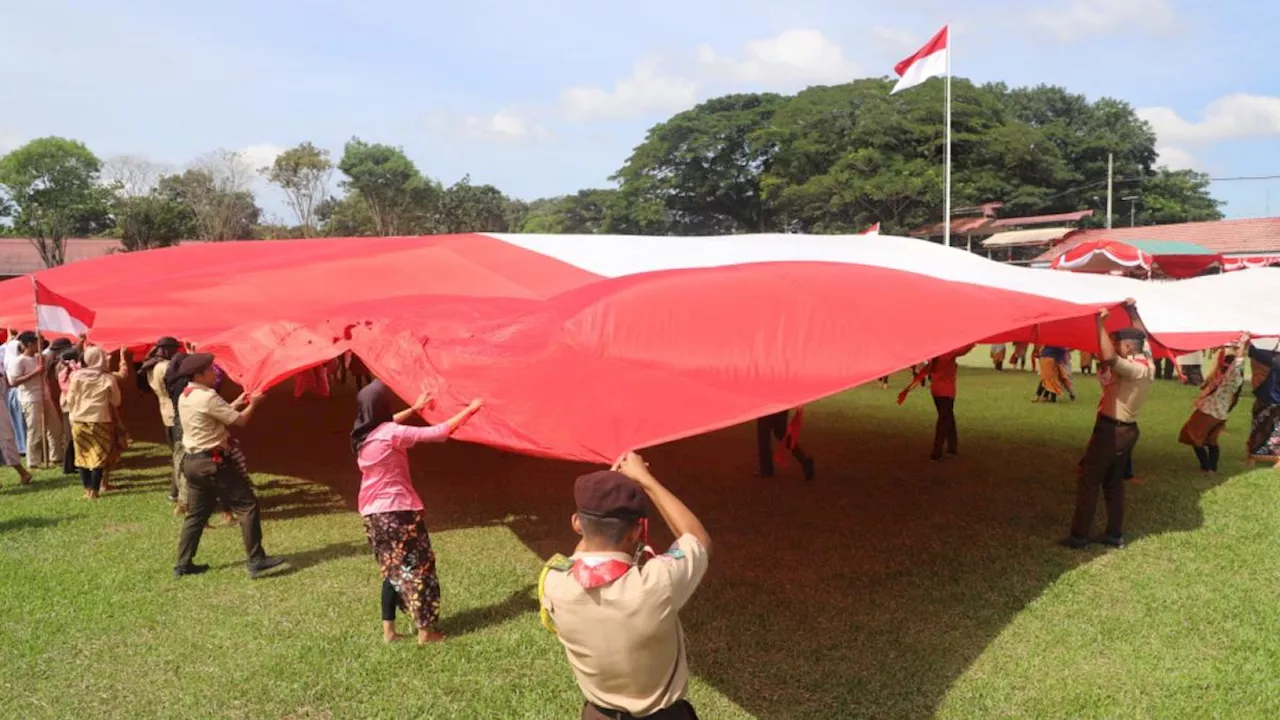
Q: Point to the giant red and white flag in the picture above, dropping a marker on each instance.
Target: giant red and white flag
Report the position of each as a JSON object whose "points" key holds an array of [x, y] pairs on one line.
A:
{"points": [[927, 62], [57, 314]]}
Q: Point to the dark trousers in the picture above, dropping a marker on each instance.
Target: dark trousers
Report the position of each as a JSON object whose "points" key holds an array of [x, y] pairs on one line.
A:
{"points": [[69, 458], [91, 479], [390, 601], [768, 428], [174, 437], [1208, 456], [682, 710], [208, 483], [1103, 469], [945, 431]]}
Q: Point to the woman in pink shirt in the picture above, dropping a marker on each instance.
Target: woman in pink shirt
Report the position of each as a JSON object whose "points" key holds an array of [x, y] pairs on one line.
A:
{"points": [[392, 509]]}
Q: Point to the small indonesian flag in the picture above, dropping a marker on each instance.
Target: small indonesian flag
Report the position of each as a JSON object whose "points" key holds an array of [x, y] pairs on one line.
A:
{"points": [[57, 314], [873, 230], [929, 61]]}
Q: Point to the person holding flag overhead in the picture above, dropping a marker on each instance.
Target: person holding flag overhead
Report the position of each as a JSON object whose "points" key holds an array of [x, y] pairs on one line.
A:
{"points": [[942, 371]]}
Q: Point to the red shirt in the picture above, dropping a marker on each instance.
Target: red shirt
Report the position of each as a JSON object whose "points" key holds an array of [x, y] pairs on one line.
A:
{"points": [[942, 373]]}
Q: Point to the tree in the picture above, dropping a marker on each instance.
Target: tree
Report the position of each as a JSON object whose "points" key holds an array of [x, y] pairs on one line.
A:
{"points": [[151, 221], [704, 167], [473, 208], [394, 191], [345, 217], [1176, 196], [303, 173], [216, 193], [131, 176], [52, 185]]}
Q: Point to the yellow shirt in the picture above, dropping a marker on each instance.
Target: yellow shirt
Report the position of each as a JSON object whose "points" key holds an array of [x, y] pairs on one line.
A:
{"points": [[1125, 389], [156, 381], [624, 640], [205, 417], [91, 395]]}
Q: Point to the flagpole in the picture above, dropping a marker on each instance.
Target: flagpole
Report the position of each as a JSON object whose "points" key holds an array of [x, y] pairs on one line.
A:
{"points": [[35, 302], [946, 170]]}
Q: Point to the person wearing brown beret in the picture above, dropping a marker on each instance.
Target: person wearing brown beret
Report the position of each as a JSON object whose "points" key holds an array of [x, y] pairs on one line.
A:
{"points": [[1126, 375], [214, 468], [614, 605]]}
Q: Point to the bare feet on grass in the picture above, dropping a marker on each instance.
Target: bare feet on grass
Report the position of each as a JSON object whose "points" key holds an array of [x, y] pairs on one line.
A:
{"points": [[429, 636], [389, 634]]}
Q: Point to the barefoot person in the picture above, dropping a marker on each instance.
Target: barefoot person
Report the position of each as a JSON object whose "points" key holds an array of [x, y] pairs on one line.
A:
{"points": [[214, 467], [391, 508], [93, 403], [1126, 375], [1218, 397], [615, 605]]}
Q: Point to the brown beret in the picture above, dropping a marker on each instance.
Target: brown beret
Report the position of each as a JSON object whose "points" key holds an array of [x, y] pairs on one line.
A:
{"points": [[195, 364], [610, 494]]}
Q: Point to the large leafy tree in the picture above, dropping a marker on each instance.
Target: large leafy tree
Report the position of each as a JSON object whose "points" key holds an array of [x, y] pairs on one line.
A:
{"points": [[303, 174], [399, 199], [1176, 196], [216, 194], [703, 167], [473, 208], [151, 221], [53, 189]]}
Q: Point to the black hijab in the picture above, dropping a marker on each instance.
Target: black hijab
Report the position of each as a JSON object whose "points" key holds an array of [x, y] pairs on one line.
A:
{"points": [[373, 408]]}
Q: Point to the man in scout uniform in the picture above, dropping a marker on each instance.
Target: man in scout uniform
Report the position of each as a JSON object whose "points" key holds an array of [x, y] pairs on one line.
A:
{"points": [[213, 467], [152, 372], [614, 604], [1126, 374]]}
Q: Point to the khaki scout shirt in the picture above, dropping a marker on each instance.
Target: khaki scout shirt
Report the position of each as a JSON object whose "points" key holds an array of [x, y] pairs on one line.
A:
{"points": [[205, 417], [1126, 390], [156, 381], [624, 640]]}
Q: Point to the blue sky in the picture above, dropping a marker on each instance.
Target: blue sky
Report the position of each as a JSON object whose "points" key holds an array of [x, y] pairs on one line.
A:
{"points": [[543, 97]]}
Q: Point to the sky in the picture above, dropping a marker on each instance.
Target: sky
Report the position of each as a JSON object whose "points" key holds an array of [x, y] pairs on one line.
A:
{"points": [[545, 97]]}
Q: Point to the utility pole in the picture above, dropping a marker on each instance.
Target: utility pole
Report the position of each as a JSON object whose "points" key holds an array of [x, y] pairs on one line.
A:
{"points": [[1133, 205], [1110, 173]]}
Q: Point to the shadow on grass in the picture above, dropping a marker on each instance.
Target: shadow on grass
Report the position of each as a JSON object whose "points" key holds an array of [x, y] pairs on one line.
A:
{"points": [[41, 485], [519, 603], [866, 593], [33, 523]]}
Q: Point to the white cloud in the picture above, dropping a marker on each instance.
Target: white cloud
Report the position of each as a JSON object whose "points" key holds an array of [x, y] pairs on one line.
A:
{"points": [[10, 139], [1231, 117], [646, 90], [1079, 19], [260, 155], [508, 124], [1176, 158], [790, 61]]}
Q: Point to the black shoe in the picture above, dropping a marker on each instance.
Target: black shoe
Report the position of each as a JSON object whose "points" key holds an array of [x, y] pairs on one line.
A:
{"points": [[192, 569], [261, 567], [809, 471], [1073, 542], [1115, 541], [936, 457]]}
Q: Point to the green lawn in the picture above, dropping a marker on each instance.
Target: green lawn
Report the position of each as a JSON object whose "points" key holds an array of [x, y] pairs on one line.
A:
{"points": [[890, 588]]}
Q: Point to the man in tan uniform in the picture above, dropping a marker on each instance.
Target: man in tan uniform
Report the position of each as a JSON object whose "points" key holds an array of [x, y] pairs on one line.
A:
{"points": [[214, 468], [1126, 375], [614, 604], [153, 371]]}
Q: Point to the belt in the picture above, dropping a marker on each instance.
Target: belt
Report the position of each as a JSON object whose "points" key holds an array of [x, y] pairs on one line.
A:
{"points": [[1112, 421], [681, 709]]}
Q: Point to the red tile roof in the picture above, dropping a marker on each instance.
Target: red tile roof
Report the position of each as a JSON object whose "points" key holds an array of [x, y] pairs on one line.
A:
{"points": [[1042, 219], [19, 257], [1231, 237]]}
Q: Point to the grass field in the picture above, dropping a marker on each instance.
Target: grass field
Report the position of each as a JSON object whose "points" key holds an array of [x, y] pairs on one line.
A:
{"points": [[891, 587]]}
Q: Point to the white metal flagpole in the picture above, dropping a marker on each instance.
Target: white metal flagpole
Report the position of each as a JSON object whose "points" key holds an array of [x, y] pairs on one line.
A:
{"points": [[946, 170]]}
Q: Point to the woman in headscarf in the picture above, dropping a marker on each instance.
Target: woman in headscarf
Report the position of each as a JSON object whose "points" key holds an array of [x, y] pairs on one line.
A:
{"points": [[392, 510], [93, 400], [1218, 397]]}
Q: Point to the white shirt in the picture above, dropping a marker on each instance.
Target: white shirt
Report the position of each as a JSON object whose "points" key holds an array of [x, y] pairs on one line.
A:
{"points": [[17, 365]]}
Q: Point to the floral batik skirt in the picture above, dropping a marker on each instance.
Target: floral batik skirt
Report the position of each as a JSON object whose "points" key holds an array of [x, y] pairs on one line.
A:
{"points": [[403, 549]]}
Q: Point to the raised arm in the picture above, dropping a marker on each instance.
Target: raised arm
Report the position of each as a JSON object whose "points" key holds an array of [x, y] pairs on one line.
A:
{"points": [[1131, 308], [1106, 351], [677, 515]]}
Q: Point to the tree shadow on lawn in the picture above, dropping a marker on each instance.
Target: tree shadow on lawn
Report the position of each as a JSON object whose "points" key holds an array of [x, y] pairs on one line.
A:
{"points": [[519, 603], [866, 593], [33, 522]]}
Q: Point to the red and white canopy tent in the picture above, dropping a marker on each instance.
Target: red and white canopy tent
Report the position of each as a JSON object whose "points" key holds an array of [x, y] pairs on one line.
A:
{"points": [[586, 346], [1174, 259]]}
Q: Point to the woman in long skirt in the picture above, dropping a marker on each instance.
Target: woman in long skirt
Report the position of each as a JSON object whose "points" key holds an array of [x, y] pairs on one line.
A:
{"points": [[1217, 399], [94, 408], [392, 510]]}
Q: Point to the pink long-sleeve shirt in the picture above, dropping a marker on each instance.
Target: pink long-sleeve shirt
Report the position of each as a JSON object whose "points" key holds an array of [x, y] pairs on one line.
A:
{"points": [[384, 464]]}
